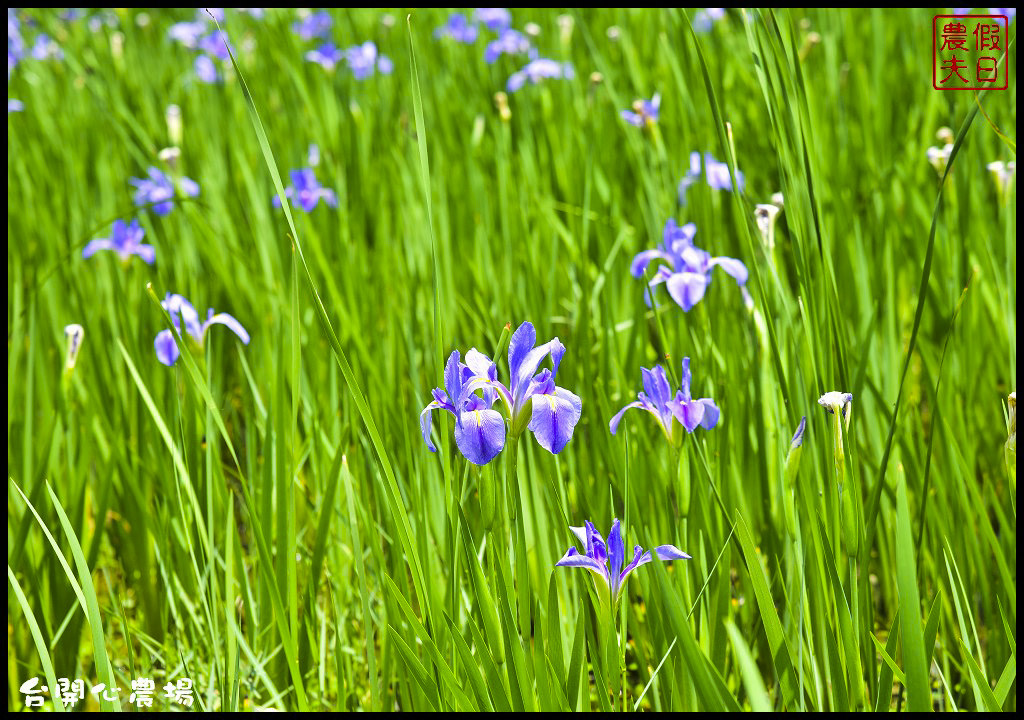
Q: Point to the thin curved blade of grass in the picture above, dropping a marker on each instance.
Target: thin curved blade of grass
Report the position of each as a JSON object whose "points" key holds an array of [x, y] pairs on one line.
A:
{"points": [[451, 684], [37, 635], [654, 675], [887, 670], [922, 294], [104, 669], [395, 504], [782, 659], [476, 680], [752, 683], [266, 564], [711, 689], [916, 666]]}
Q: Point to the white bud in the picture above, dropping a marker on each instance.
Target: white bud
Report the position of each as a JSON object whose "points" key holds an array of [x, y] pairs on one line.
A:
{"points": [[1011, 439], [170, 156], [173, 117], [478, 131], [837, 402], [565, 26], [1003, 173], [73, 335], [939, 157], [117, 45], [765, 214]]}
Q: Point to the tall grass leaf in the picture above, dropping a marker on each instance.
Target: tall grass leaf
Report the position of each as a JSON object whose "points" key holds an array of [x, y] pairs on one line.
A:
{"points": [[911, 632]]}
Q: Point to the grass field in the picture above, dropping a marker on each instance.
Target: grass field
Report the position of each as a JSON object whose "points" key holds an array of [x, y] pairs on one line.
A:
{"points": [[265, 519]]}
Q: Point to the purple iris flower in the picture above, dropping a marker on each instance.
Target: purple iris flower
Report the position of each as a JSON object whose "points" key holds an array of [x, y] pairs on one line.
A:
{"points": [[458, 28], [531, 400], [605, 561], [479, 428], [836, 401], [313, 26], [206, 69], [158, 190], [687, 272], [326, 56], [717, 174], [644, 112], [537, 70], [306, 192], [15, 42], [705, 19], [216, 44], [125, 240], [182, 312], [1008, 12], [657, 399], [187, 33], [798, 436], [14, 105], [552, 412], [510, 42], [364, 59], [46, 47], [496, 19]]}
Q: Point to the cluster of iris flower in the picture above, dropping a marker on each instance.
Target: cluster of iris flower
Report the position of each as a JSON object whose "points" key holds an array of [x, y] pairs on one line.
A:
{"points": [[126, 240], [464, 30], [668, 408], [211, 45], [530, 401], [533, 402], [42, 48], [510, 41], [306, 192], [644, 113], [186, 322], [715, 173], [363, 60], [607, 561], [686, 269], [157, 191]]}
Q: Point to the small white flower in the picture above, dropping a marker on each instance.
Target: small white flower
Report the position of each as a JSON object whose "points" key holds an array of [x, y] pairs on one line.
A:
{"points": [[1011, 439], [766, 213], [939, 157], [837, 402], [170, 155], [565, 26], [1004, 173], [73, 335], [173, 116]]}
